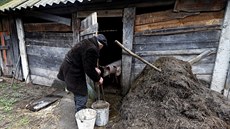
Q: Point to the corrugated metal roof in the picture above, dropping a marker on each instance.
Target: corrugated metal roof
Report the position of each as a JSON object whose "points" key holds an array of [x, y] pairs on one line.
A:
{"points": [[20, 4]]}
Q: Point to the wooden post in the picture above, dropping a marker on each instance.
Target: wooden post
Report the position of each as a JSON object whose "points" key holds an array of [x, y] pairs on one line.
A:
{"points": [[22, 49], [223, 55], [128, 31], [75, 28]]}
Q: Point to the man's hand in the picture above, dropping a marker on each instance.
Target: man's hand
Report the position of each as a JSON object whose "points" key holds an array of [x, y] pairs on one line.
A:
{"points": [[98, 70], [100, 81]]}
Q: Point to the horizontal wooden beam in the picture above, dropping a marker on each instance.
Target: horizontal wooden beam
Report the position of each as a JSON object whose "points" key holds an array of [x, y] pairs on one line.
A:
{"points": [[42, 27], [101, 13], [50, 17], [175, 52]]}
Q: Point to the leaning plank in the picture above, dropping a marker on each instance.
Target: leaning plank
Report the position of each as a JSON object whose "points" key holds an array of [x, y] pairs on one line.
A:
{"points": [[22, 49], [136, 56], [223, 55], [199, 57]]}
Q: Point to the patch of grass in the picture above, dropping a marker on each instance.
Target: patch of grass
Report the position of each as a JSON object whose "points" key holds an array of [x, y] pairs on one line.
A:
{"points": [[7, 103], [16, 86], [24, 121], [3, 85]]}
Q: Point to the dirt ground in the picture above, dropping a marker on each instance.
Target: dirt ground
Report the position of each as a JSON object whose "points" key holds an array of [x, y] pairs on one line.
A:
{"points": [[173, 99], [14, 112]]}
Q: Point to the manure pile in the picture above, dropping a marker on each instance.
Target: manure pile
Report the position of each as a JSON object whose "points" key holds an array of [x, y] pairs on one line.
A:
{"points": [[172, 99]]}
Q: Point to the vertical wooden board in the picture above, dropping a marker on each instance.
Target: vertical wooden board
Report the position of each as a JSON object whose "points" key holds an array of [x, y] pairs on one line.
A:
{"points": [[75, 28], [1, 29], [15, 49], [227, 85], [223, 55], [22, 49], [128, 32], [87, 24], [9, 53]]}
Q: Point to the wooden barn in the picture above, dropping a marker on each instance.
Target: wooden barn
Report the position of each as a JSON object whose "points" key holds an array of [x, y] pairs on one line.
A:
{"points": [[36, 34]]}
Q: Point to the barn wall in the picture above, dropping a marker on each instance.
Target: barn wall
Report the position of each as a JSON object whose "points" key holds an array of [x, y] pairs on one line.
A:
{"points": [[45, 51], [183, 36]]}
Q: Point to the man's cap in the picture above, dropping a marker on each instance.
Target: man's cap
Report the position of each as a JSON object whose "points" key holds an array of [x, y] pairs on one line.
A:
{"points": [[102, 39]]}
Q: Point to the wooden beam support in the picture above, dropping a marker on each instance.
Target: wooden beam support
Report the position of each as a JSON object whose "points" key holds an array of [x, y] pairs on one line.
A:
{"points": [[223, 55], [50, 17], [76, 23], [38, 27], [101, 13], [22, 49], [128, 32]]}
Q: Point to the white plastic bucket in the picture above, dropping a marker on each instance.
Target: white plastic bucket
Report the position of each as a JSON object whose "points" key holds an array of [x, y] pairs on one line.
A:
{"points": [[86, 118], [102, 108]]}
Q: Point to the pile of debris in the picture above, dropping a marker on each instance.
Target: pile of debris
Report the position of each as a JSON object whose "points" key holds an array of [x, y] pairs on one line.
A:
{"points": [[172, 98]]}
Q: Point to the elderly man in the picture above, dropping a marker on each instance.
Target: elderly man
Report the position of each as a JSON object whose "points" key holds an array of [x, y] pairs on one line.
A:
{"points": [[80, 60]]}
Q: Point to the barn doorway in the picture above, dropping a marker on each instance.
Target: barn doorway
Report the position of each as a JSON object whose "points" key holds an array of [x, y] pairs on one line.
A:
{"points": [[112, 28]]}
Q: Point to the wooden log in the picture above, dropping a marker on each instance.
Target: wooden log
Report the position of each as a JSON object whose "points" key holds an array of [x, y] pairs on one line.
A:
{"points": [[136, 56]]}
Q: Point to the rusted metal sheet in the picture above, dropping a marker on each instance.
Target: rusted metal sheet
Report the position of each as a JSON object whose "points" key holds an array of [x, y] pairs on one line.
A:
{"points": [[199, 5]]}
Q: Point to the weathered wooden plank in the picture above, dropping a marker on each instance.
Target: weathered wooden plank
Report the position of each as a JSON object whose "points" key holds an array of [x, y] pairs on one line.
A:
{"points": [[22, 49], [89, 31], [174, 52], [161, 16], [15, 49], [1, 29], [42, 80], [46, 51], [90, 20], [179, 30], [128, 29], [43, 72], [223, 55], [197, 68], [51, 63], [101, 13], [5, 24], [204, 19], [152, 58], [76, 24], [203, 77], [49, 39], [206, 78], [50, 17], [204, 36], [171, 46], [43, 27], [198, 6], [227, 85]]}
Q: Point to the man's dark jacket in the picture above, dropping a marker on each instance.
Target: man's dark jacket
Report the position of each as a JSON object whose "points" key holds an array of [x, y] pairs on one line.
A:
{"points": [[80, 60]]}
